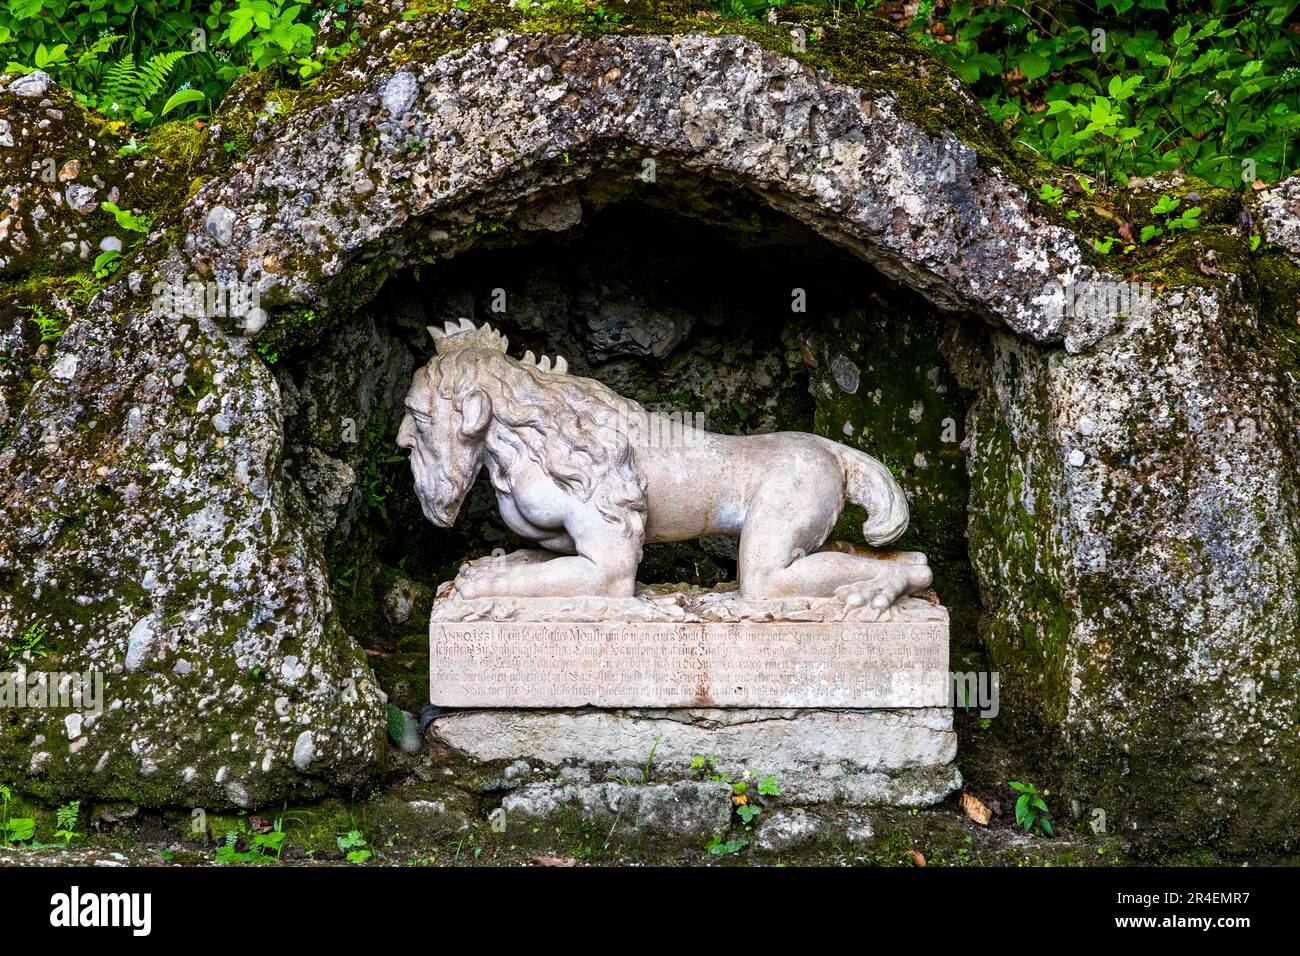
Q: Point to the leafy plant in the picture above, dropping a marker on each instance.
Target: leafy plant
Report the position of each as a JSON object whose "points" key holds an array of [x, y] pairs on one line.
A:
{"points": [[106, 263], [265, 846], [66, 820], [271, 844], [126, 219], [267, 31], [129, 89], [1031, 809], [1133, 87], [354, 847], [269, 353], [1052, 194], [746, 806], [1188, 219], [140, 61], [50, 328], [229, 852], [375, 479], [13, 829], [719, 847], [30, 642]]}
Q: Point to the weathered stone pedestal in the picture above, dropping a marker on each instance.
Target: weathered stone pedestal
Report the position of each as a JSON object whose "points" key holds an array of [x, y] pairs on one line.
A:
{"points": [[840, 707]]}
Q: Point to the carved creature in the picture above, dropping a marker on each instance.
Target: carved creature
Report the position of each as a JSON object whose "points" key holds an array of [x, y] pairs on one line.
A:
{"points": [[589, 476]]}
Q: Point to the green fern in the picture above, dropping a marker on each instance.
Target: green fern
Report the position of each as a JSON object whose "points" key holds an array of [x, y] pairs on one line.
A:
{"points": [[132, 86], [156, 72], [90, 56], [119, 80]]}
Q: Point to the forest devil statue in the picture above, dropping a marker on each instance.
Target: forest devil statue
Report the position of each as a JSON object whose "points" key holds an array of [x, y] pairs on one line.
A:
{"points": [[583, 474]]}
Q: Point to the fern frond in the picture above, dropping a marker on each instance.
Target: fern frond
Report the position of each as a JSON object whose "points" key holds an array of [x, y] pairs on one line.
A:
{"points": [[154, 74], [121, 81]]}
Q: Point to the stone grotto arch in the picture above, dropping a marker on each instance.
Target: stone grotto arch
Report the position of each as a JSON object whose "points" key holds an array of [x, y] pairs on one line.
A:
{"points": [[1132, 520]]}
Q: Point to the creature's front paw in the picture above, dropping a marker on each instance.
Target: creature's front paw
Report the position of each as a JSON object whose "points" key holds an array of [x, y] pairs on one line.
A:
{"points": [[475, 580]]}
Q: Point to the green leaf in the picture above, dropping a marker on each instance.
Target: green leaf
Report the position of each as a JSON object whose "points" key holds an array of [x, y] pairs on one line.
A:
{"points": [[1022, 806], [21, 828], [127, 220], [25, 9], [1034, 65], [106, 263], [240, 26], [1121, 89], [1165, 204], [180, 98]]}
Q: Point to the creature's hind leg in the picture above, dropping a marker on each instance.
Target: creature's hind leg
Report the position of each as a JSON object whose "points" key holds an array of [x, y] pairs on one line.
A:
{"points": [[789, 518]]}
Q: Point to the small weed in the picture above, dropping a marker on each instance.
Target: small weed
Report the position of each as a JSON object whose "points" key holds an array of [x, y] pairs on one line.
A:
{"points": [[66, 818], [719, 847], [354, 847], [126, 219], [1031, 810], [13, 829], [106, 263], [1051, 194], [50, 328], [1188, 219], [30, 643], [265, 846], [649, 760]]}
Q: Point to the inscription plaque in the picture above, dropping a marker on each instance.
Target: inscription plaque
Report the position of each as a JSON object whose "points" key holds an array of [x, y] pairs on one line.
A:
{"points": [[883, 664]]}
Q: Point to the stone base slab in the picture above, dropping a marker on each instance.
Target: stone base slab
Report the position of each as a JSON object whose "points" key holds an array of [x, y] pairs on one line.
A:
{"points": [[862, 757]]}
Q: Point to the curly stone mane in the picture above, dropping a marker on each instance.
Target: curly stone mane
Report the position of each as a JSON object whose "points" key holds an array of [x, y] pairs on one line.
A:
{"points": [[577, 430]]}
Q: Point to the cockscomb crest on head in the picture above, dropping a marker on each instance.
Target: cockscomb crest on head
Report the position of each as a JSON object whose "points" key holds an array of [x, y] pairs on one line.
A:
{"points": [[454, 336]]}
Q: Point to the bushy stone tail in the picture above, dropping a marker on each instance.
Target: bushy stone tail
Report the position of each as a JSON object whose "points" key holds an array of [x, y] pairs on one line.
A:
{"points": [[868, 483]]}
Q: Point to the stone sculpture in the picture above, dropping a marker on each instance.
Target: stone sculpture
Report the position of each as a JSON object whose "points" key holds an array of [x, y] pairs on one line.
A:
{"points": [[589, 477]]}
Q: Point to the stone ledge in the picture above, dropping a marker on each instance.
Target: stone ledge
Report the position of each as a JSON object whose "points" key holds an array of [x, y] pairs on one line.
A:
{"points": [[660, 605], [864, 757], [685, 808]]}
